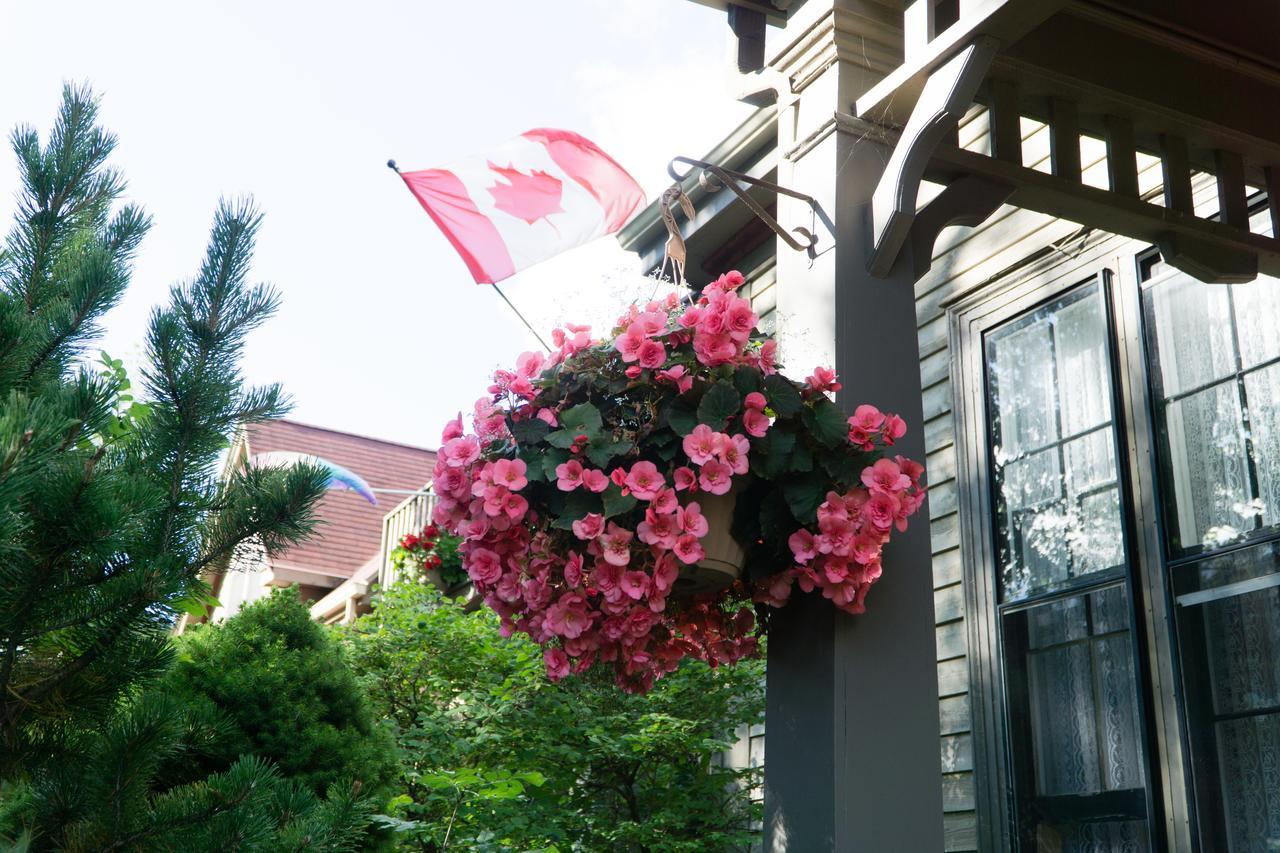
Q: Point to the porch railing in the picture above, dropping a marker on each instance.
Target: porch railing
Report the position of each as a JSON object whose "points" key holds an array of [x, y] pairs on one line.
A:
{"points": [[409, 516]]}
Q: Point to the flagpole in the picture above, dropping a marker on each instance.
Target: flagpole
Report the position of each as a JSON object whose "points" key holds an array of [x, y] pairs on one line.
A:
{"points": [[391, 164]]}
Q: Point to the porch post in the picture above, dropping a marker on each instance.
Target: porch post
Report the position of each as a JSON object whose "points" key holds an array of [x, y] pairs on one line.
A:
{"points": [[852, 756]]}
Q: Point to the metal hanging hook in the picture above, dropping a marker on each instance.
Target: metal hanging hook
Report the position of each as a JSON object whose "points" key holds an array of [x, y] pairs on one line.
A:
{"points": [[713, 178]]}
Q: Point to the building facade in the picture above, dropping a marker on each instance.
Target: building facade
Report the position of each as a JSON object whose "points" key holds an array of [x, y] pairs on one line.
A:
{"points": [[336, 567], [1100, 424]]}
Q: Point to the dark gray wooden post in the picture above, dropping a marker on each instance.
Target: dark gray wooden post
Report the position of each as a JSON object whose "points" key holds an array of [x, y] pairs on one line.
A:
{"points": [[852, 752]]}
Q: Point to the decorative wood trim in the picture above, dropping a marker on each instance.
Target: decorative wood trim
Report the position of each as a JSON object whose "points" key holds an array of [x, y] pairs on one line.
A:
{"points": [[943, 102]]}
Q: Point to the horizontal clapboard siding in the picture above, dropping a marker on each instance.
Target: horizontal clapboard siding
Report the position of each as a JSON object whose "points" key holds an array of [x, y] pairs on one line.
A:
{"points": [[964, 259]]}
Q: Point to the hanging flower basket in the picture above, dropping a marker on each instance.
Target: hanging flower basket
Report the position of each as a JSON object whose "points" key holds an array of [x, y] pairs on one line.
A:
{"points": [[629, 501]]}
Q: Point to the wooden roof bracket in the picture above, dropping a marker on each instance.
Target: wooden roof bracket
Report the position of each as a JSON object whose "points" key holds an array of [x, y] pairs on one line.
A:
{"points": [[713, 178], [943, 100]]}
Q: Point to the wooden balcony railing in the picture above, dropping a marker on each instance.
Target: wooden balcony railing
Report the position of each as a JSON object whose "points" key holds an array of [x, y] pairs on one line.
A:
{"points": [[410, 516]]}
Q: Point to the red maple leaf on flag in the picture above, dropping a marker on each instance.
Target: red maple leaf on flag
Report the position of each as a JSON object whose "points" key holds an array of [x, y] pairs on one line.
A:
{"points": [[529, 197]]}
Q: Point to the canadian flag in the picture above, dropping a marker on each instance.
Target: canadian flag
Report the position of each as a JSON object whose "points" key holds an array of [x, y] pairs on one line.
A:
{"points": [[538, 195]]}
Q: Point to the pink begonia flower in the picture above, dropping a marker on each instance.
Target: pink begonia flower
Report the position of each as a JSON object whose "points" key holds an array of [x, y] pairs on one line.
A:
{"points": [[651, 322], [461, 451], [911, 468], [801, 544], [629, 343], [616, 545], [733, 452], [730, 281], [692, 520], [569, 475], [557, 663], [514, 506], [866, 548], [768, 355], [885, 476], [867, 418], [644, 481], [510, 473], [568, 617], [633, 372], [823, 379], [635, 584], [665, 575], [536, 594], [691, 317], [529, 364], [664, 502], [619, 477], [474, 528], [716, 477], [715, 350], [495, 500], [881, 510], [548, 417], [606, 576], [700, 445], [589, 527], [640, 621], [453, 429], [573, 567], [677, 376], [755, 422], [614, 628], [689, 549], [894, 428], [657, 529], [508, 588], [754, 401], [484, 566], [740, 320], [652, 355], [595, 480], [861, 439], [685, 478]]}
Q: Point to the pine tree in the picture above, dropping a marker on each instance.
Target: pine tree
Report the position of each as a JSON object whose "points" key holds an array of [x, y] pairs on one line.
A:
{"points": [[110, 508]]}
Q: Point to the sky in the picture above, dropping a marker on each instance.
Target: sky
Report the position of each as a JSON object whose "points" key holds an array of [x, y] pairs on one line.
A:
{"points": [[382, 331]]}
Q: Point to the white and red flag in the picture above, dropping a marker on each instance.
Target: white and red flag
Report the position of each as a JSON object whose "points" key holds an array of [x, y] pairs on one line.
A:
{"points": [[538, 195]]}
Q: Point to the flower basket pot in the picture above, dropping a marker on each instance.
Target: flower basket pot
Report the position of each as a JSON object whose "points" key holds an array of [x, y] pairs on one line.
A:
{"points": [[723, 563]]}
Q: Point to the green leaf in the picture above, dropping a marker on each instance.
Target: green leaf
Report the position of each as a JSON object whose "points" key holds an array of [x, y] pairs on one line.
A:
{"points": [[783, 396], [843, 467], [615, 502], [718, 405], [803, 493], [553, 459], [746, 379], [529, 431], [776, 521], [577, 505], [778, 444], [602, 452], [583, 418], [829, 425], [534, 459], [682, 414], [561, 438]]}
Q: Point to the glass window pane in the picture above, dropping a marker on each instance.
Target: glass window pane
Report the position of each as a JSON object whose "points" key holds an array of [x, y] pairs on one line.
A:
{"points": [[1049, 386], [1257, 313], [1205, 450], [1074, 714], [1191, 323], [1262, 388], [1229, 638]]}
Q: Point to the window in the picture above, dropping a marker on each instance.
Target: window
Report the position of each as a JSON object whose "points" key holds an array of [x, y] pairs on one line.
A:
{"points": [[1214, 368], [1120, 489], [1072, 711]]}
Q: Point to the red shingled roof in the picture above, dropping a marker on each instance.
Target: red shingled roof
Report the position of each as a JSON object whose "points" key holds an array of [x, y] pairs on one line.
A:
{"points": [[349, 532]]}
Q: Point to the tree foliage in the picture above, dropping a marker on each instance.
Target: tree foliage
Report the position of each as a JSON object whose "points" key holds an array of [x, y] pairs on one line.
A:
{"points": [[110, 510], [494, 756], [278, 684]]}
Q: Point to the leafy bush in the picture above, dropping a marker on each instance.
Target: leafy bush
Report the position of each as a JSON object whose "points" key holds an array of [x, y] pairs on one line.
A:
{"points": [[279, 686], [493, 756]]}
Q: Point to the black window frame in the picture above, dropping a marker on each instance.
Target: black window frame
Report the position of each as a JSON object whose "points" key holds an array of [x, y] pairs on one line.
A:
{"points": [[998, 788]]}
